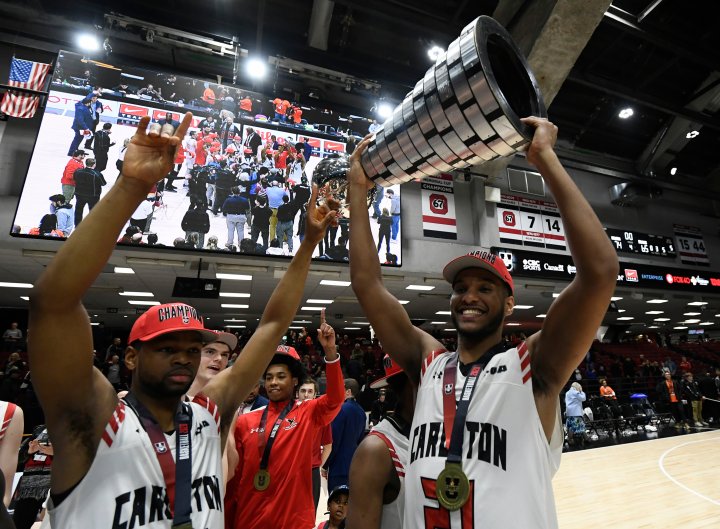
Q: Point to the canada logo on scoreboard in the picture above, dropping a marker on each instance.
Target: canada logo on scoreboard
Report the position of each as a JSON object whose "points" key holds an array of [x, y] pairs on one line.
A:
{"points": [[438, 204], [509, 218]]}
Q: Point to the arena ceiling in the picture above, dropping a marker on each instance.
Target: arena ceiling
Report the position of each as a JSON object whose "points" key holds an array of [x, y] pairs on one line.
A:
{"points": [[655, 56]]}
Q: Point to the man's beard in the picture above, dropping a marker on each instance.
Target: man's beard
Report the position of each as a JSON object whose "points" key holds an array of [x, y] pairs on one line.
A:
{"points": [[160, 390], [480, 334]]}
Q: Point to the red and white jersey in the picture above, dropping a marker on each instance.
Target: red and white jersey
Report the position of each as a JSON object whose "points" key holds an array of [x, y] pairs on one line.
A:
{"points": [[7, 411], [397, 444], [506, 455], [124, 486]]}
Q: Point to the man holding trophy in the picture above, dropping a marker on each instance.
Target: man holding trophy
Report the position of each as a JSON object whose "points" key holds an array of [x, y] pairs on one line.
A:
{"points": [[486, 436]]}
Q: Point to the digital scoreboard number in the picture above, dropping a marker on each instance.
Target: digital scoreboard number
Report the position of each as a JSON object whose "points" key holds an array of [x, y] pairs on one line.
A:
{"points": [[641, 243]]}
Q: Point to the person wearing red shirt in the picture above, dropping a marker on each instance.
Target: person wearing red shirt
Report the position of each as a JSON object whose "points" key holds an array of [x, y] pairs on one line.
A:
{"points": [[281, 157], [68, 178], [245, 105], [322, 442], [279, 109], [208, 95], [281, 495], [685, 365], [172, 175], [297, 115]]}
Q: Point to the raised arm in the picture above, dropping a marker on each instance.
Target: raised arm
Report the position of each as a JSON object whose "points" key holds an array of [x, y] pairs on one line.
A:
{"points": [[230, 387], [407, 344], [327, 407], [574, 317], [76, 398]]}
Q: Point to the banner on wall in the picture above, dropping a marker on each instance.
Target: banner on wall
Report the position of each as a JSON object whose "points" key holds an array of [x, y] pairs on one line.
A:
{"points": [[690, 245], [530, 222], [438, 207]]}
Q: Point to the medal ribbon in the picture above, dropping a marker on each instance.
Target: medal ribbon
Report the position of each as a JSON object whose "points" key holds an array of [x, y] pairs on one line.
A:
{"points": [[177, 473], [455, 414], [273, 432]]}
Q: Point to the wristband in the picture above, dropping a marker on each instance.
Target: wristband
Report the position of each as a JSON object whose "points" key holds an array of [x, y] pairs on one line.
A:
{"points": [[331, 361]]}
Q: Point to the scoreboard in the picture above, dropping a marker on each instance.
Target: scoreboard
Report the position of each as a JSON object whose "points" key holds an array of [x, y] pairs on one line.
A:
{"points": [[641, 243]]}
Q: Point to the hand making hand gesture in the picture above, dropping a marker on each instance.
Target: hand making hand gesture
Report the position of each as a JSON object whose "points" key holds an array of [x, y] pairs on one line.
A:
{"points": [[326, 337], [151, 152]]}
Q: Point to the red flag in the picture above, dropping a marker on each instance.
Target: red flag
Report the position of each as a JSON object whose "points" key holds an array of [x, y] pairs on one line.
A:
{"points": [[24, 74]]}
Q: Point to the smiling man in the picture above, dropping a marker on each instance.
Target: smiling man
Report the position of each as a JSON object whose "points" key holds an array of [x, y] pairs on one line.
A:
{"points": [[486, 436], [272, 483], [214, 358]]}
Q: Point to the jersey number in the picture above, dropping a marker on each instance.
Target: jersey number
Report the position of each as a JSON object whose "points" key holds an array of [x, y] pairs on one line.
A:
{"points": [[439, 517]]}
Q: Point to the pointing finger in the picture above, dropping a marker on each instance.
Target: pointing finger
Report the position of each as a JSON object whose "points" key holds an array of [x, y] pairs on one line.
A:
{"points": [[322, 317]]}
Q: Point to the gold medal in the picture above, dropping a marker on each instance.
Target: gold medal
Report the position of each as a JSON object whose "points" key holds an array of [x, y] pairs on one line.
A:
{"points": [[262, 480], [452, 487]]}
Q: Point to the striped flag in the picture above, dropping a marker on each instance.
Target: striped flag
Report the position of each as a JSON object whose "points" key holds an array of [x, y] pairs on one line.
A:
{"points": [[24, 74]]}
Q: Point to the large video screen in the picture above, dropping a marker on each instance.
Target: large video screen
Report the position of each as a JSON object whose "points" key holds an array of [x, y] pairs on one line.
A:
{"points": [[240, 184]]}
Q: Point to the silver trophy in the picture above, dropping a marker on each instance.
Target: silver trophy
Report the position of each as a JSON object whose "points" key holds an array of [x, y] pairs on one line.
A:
{"points": [[464, 112]]}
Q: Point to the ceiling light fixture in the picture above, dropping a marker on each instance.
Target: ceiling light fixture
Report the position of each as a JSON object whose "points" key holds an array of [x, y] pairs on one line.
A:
{"points": [[706, 323], [434, 52], [694, 320], [334, 283], [323, 301], [673, 170], [351, 328], [26, 298], [692, 134], [233, 306], [311, 308], [691, 313], [438, 323], [657, 301], [384, 110], [443, 313], [680, 327], [512, 324], [141, 302], [123, 270], [626, 113], [523, 307], [651, 312], [419, 287], [403, 301], [234, 295], [625, 318], [661, 319], [541, 315], [6, 284], [137, 294], [234, 277], [697, 303], [615, 298]]}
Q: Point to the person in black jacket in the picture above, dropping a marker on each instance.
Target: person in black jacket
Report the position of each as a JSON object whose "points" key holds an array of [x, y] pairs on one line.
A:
{"points": [[261, 214], [196, 220], [235, 209], [301, 192], [197, 187], [252, 141], [102, 145], [224, 182], [88, 187], [670, 393], [286, 217], [691, 392], [385, 222]]}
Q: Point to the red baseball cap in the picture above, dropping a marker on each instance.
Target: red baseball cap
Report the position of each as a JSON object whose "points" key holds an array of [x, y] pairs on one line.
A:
{"points": [[479, 259], [391, 369], [289, 351], [170, 317]]}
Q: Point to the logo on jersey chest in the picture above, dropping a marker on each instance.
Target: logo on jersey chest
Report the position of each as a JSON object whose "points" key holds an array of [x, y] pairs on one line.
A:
{"points": [[161, 447], [292, 423], [449, 389]]}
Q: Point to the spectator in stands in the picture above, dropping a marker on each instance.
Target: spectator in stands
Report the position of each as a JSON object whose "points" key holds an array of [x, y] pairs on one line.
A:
{"points": [[629, 367], [112, 373], [574, 414], [150, 92], [691, 392], [115, 348], [685, 365], [348, 430], [711, 392], [33, 487], [670, 365], [208, 96], [670, 393], [12, 338], [608, 395], [379, 408]]}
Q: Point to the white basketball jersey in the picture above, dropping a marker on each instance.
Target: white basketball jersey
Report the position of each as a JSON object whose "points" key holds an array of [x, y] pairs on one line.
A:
{"points": [[505, 454], [125, 488], [7, 412], [397, 443]]}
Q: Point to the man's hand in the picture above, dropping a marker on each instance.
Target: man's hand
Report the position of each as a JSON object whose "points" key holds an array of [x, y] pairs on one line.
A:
{"points": [[151, 152], [356, 175], [317, 220], [543, 140], [326, 337]]}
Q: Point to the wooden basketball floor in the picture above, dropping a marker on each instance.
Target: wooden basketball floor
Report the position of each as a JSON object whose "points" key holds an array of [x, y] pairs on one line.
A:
{"points": [[672, 482]]}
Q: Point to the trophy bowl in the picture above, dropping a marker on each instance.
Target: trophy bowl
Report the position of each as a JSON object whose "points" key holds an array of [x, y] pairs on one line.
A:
{"points": [[330, 175]]}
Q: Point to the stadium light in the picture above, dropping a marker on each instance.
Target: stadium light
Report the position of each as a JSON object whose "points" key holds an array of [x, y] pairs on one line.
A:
{"points": [[256, 68], [88, 42]]}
